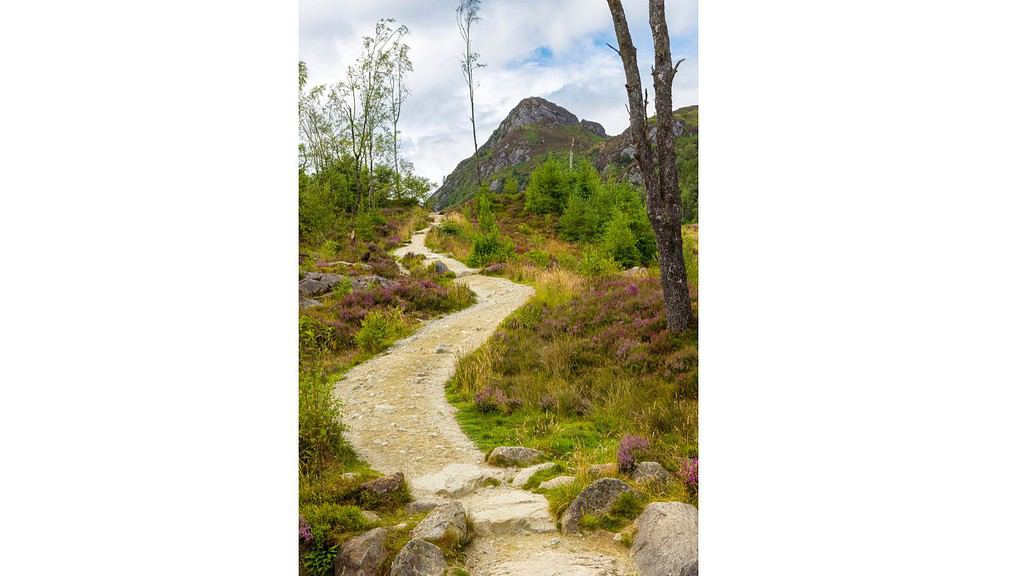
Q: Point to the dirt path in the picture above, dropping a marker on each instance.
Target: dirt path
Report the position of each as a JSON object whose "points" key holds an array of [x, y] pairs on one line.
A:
{"points": [[398, 420]]}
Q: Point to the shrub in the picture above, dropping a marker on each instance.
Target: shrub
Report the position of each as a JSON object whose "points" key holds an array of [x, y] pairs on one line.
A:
{"points": [[595, 262], [488, 249], [380, 328], [628, 448], [329, 520], [305, 532], [688, 472], [342, 288], [619, 242], [316, 339], [319, 561], [491, 399], [320, 428]]}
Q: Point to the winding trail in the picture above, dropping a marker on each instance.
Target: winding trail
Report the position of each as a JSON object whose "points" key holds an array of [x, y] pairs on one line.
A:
{"points": [[398, 420]]}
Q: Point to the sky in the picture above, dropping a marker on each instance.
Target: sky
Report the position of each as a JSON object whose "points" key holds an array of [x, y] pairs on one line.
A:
{"points": [[552, 49]]}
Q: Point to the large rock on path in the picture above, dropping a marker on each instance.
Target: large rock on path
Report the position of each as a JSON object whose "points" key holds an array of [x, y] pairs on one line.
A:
{"points": [[594, 499], [455, 480], [508, 511], [445, 524], [362, 555], [514, 456], [665, 542], [419, 558]]}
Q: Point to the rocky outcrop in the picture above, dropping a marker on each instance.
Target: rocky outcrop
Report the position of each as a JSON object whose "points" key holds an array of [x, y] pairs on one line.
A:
{"points": [[650, 472], [665, 542], [445, 524], [593, 127], [362, 555], [316, 283], [419, 558], [371, 281], [514, 456], [524, 475], [594, 499]]}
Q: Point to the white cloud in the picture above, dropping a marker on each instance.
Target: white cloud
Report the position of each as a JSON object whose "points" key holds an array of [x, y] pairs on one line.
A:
{"points": [[582, 74]]}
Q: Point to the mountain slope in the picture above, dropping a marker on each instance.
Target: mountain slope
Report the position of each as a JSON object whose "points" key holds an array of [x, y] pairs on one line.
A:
{"points": [[532, 130]]}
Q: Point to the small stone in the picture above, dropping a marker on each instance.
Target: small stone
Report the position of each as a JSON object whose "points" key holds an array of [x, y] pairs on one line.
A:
{"points": [[370, 516], [556, 482], [651, 472], [514, 456], [525, 474]]}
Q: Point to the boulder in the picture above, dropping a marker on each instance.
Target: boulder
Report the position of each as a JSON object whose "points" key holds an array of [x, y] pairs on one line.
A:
{"points": [[597, 498], [524, 475], [514, 456], [419, 558], [446, 523], [438, 267], [665, 540], [455, 480], [317, 283], [650, 472], [362, 555], [602, 470], [556, 482], [305, 303], [386, 489], [494, 269]]}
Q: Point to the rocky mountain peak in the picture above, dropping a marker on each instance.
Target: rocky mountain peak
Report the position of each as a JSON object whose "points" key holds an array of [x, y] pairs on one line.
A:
{"points": [[536, 110]]}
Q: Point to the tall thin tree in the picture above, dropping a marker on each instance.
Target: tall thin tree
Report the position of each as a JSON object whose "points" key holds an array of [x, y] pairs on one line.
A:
{"points": [[397, 94], [660, 176], [468, 14]]}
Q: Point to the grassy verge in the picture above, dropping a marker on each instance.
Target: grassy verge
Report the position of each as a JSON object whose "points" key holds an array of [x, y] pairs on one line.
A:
{"points": [[586, 362]]}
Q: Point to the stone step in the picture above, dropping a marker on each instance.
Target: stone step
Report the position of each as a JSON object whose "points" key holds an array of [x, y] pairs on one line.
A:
{"points": [[508, 511]]}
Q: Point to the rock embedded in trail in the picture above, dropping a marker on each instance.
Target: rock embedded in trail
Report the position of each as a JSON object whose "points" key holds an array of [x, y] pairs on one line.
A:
{"points": [[445, 524], [419, 558], [651, 471], [507, 511], [455, 480], [438, 267], [523, 476], [514, 456], [555, 563], [597, 498], [362, 555], [665, 542], [422, 505], [556, 482]]}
